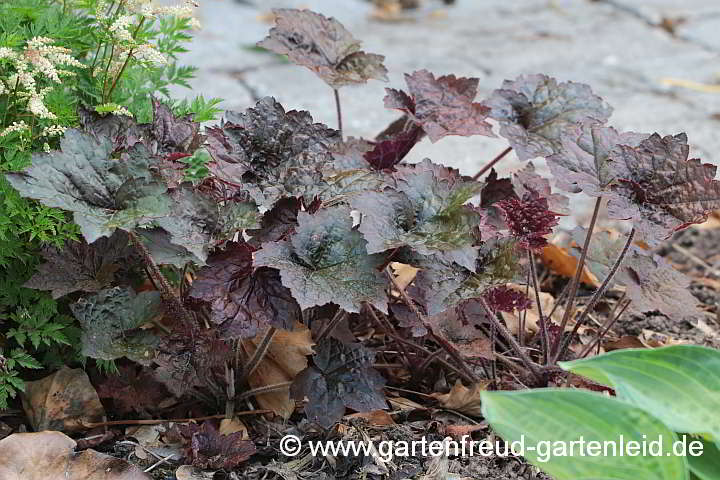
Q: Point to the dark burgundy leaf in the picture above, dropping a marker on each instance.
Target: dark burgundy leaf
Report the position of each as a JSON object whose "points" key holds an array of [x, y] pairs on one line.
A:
{"points": [[277, 223], [243, 301], [341, 376], [391, 151], [324, 46], [272, 153], [210, 450], [441, 106], [132, 389], [660, 189], [495, 189], [81, 267]]}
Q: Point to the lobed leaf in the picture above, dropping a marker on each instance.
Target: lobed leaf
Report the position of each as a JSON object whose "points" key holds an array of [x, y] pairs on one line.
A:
{"points": [[341, 376], [243, 302], [111, 321], [324, 46], [425, 211], [441, 106], [326, 261], [272, 153], [535, 111], [80, 266], [660, 189], [585, 163]]}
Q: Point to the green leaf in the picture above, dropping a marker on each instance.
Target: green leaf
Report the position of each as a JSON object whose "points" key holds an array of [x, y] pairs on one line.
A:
{"points": [[326, 261], [102, 192], [551, 418], [679, 384], [707, 465], [24, 359], [111, 321]]}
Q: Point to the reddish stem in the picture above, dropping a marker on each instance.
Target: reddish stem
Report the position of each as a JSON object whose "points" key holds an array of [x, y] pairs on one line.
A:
{"points": [[492, 162]]}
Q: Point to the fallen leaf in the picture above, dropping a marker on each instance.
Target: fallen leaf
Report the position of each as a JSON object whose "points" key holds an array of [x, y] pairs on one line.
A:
{"points": [[286, 357], [463, 399], [151, 440], [51, 456], [404, 274], [228, 426], [560, 261], [653, 339], [209, 449], [628, 341], [401, 403], [374, 417], [65, 400]]}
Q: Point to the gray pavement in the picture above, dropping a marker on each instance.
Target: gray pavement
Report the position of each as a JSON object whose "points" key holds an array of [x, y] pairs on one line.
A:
{"points": [[619, 47]]}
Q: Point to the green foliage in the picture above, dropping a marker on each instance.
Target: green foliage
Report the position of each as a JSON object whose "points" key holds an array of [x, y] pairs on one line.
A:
{"points": [[674, 386], [108, 58]]}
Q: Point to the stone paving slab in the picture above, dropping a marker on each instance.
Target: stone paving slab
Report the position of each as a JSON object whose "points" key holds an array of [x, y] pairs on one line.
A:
{"points": [[621, 53]]}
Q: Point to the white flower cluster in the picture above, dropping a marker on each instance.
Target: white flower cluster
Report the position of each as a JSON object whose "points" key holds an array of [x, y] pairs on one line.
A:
{"points": [[114, 109], [38, 59], [15, 127]]}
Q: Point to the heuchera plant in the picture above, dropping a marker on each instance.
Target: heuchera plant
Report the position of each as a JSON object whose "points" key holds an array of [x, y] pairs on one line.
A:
{"points": [[285, 221]]}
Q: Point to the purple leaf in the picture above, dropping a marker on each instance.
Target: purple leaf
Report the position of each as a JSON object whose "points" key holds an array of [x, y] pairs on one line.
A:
{"points": [[324, 46], [660, 189], [534, 111], [243, 301], [441, 106]]}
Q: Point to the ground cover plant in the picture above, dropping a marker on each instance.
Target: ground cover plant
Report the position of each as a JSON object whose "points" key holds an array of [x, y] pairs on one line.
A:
{"points": [[270, 261]]}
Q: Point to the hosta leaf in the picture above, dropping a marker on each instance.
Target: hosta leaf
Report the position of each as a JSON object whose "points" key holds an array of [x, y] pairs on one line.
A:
{"points": [[111, 321], [707, 465], [441, 106], [535, 111], [79, 266], [680, 384], [650, 281], [545, 418], [242, 301], [341, 376], [426, 212], [585, 161], [660, 189], [102, 192], [324, 46], [327, 261], [272, 153]]}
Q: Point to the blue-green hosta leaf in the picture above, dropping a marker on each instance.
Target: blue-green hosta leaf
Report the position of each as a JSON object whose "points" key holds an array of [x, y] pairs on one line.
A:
{"points": [[111, 321], [679, 384], [560, 416], [426, 211], [271, 152], [535, 111], [326, 261], [102, 192], [707, 465]]}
